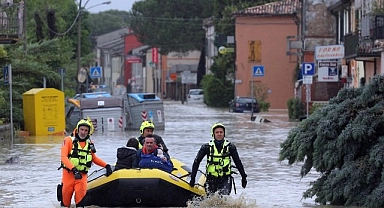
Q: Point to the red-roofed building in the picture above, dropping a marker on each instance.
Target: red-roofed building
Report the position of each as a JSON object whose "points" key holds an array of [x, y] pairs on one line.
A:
{"points": [[261, 46]]}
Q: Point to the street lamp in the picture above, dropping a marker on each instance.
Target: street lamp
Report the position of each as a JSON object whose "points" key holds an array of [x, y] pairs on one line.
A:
{"points": [[79, 37]]}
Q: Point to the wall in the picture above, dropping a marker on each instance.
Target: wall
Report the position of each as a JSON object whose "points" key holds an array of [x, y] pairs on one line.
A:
{"points": [[272, 31], [320, 25], [131, 42]]}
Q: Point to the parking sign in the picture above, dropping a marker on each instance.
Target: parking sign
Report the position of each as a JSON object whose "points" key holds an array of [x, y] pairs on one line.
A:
{"points": [[308, 68]]}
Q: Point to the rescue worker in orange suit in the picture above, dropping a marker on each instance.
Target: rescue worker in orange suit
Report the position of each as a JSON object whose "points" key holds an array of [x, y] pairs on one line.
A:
{"points": [[77, 156]]}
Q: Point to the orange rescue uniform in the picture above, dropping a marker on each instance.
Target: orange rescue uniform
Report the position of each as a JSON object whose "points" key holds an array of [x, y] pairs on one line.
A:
{"points": [[71, 185]]}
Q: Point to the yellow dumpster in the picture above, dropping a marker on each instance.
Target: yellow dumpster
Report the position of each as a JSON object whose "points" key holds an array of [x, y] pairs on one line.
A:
{"points": [[44, 111]]}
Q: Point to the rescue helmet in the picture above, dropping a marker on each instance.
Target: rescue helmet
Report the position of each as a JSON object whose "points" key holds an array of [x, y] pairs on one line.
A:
{"points": [[217, 125], [146, 125], [85, 122]]}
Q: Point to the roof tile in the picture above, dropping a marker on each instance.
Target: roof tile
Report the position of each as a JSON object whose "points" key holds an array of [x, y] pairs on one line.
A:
{"points": [[274, 8]]}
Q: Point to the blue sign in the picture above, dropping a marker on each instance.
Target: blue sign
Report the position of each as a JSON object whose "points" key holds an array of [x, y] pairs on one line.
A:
{"points": [[258, 71], [6, 75], [95, 72], [150, 116], [308, 68]]}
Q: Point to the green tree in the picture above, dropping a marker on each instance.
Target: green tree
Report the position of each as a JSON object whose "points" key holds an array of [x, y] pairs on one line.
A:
{"points": [[344, 142], [28, 70], [64, 23], [172, 25], [218, 90], [108, 21]]}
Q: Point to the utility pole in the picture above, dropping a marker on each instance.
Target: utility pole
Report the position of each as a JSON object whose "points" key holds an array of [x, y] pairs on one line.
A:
{"points": [[79, 45], [24, 29], [79, 38]]}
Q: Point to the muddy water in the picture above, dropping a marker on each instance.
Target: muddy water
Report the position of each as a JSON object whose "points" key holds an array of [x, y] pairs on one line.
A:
{"points": [[32, 183]]}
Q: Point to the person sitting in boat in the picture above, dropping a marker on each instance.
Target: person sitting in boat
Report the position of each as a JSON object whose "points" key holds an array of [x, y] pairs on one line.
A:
{"points": [[147, 128], [219, 152], [77, 155], [151, 156], [126, 155]]}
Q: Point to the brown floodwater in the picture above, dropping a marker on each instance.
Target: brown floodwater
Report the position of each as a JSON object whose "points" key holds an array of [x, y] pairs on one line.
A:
{"points": [[271, 183]]}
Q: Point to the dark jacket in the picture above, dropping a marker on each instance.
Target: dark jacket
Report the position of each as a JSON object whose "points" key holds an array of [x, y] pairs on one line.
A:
{"points": [[125, 157], [159, 142], [204, 150]]}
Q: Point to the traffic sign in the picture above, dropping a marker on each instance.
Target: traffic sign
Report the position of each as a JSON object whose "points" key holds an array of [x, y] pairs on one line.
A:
{"points": [[308, 68], [307, 79], [188, 78], [6, 75], [223, 50], [258, 71], [95, 72]]}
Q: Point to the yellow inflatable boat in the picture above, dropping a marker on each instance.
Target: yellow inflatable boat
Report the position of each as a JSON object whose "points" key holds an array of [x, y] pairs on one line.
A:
{"points": [[143, 188]]}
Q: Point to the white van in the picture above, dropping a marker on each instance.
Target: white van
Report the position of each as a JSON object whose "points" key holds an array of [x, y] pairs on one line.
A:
{"points": [[195, 96]]}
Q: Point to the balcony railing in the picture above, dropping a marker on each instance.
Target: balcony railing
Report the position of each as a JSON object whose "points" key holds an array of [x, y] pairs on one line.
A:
{"points": [[11, 22], [378, 27], [358, 47], [351, 45]]}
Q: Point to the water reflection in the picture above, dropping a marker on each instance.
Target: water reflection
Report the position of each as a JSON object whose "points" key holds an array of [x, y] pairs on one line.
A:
{"points": [[270, 183]]}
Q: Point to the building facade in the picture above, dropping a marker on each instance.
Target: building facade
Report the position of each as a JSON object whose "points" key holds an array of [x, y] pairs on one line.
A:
{"points": [[262, 63]]}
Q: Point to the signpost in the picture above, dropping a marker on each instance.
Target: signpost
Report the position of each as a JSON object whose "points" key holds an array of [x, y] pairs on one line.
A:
{"points": [[308, 70], [6, 75], [62, 72], [188, 78], [95, 72], [7, 72], [257, 71]]}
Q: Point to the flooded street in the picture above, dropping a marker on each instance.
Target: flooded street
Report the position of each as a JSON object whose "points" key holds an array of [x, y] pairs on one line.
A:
{"points": [[270, 183]]}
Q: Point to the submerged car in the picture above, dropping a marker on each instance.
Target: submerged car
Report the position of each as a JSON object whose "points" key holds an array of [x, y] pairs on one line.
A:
{"points": [[244, 104], [195, 96]]}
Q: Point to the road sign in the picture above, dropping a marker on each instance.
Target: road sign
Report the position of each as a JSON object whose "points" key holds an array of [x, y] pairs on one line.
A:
{"points": [[223, 50], [188, 78], [6, 75], [258, 71], [95, 72], [307, 79], [308, 68], [173, 76]]}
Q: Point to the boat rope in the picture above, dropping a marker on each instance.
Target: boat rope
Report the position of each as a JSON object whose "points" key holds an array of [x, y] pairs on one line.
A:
{"points": [[95, 172]]}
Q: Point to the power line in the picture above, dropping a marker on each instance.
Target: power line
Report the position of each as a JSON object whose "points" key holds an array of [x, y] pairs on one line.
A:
{"points": [[69, 29]]}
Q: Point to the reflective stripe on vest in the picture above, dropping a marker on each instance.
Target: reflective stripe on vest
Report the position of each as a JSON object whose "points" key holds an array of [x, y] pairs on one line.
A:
{"points": [[80, 157], [218, 163]]}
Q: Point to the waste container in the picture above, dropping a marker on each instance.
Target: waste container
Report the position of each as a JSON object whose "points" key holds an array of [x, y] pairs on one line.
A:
{"points": [[144, 106], [44, 111]]}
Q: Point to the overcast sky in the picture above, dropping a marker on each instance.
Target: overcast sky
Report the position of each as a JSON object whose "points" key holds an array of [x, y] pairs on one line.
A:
{"points": [[124, 5]]}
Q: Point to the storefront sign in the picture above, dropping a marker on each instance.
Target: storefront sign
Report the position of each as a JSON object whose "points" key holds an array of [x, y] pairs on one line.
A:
{"points": [[328, 71], [329, 52], [133, 59]]}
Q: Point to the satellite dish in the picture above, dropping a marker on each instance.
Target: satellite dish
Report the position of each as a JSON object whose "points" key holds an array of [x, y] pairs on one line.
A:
{"points": [[82, 75]]}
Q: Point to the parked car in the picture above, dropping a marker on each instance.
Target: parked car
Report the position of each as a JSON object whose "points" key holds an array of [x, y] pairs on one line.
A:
{"points": [[195, 96], [244, 104]]}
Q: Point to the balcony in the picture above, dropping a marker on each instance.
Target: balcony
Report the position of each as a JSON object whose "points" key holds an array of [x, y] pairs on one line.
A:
{"points": [[378, 27], [359, 48], [11, 22]]}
